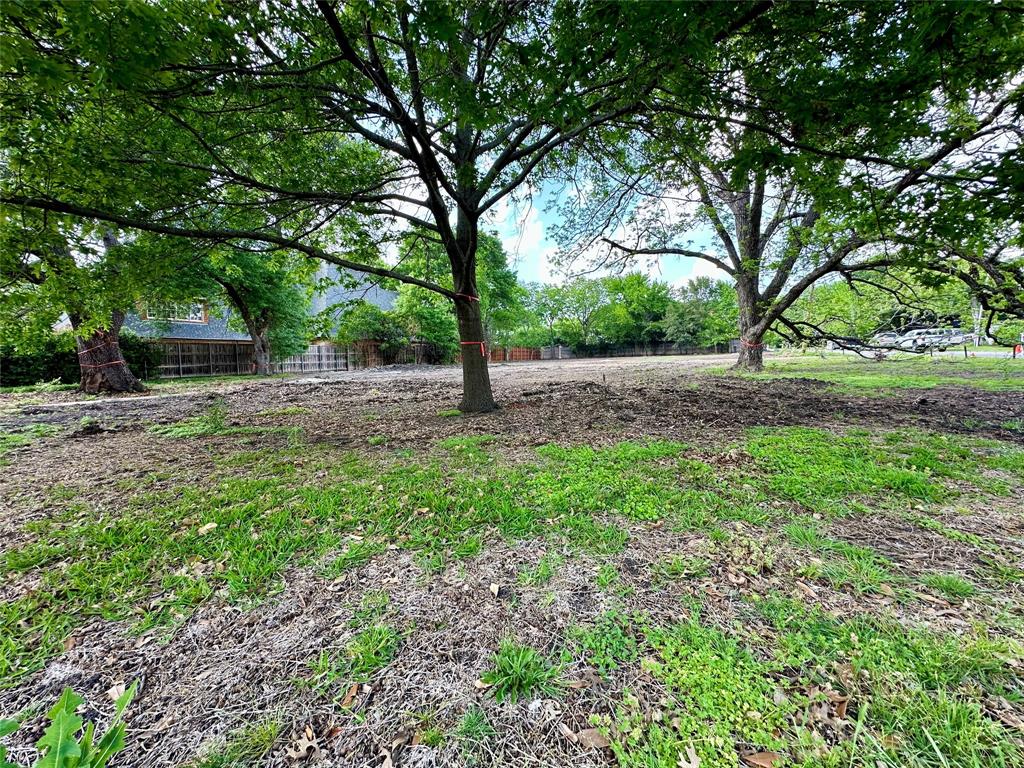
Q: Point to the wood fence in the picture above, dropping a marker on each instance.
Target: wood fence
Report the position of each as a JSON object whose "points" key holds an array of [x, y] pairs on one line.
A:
{"points": [[224, 358]]}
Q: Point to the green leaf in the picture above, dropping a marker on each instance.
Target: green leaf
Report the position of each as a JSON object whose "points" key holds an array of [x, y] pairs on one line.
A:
{"points": [[58, 745], [111, 743]]}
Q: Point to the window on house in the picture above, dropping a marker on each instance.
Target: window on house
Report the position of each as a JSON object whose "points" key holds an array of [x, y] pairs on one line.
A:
{"points": [[182, 312]]}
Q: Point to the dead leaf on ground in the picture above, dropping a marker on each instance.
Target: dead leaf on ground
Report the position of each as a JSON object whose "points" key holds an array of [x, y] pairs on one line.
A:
{"points": [[116, 690], [350, 696], [762, 759], [690, 759], [203, 530], [592, 738], [588, 679], [303, 748], [495, 589]]}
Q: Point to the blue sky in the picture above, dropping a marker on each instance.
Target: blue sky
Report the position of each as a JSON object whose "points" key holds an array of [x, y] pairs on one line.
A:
{"points": [[526, 232]]}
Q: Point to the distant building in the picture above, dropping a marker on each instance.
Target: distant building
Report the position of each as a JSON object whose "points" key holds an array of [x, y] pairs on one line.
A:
{"points": [[198, 340], [196, 321]]}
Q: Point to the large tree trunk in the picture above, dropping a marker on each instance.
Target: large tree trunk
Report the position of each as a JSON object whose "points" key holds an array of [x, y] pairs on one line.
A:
{"points": [[476, 379], [258, 327], [261, 354], [103, 367], [752, 327], [751, 357]]}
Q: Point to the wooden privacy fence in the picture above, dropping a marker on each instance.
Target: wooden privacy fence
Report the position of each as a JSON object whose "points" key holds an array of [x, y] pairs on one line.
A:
{"points": [[224, 358], [317, 357], [513, 354], [204, 358]]}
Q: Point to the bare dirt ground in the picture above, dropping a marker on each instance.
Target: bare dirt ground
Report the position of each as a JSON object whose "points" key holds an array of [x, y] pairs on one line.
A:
{"points": [[226, 666], [574, 400]]}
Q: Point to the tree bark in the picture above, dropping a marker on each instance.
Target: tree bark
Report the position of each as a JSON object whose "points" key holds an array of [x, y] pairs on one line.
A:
{"points": [[752, 327], [751, 357], [476, 379], [258, 327], [103, 367], [261, 354]]}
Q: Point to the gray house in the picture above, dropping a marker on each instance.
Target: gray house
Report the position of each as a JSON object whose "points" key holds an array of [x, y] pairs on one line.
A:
{"points": [[198, 339]]}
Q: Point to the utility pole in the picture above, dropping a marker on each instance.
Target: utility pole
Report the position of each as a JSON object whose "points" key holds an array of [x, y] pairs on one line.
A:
{"points": [[976, 314]]}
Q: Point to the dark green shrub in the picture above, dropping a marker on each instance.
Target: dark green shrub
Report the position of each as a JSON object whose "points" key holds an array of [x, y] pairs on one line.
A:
{"points": [[56, 358]]}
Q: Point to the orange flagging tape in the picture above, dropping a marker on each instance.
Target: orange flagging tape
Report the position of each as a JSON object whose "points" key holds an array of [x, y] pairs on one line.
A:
{"points": [[468, 297], [104, 365], [474, 343], [746, 343], [97, 346]]}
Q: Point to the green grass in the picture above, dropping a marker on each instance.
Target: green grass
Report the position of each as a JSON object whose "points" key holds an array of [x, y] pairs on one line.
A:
{"points": [[366, 653], [17, 438], [244, 747], [42, 386], [541, 573], [827, 472], [949, 584], [354, 555], [473, 729], [680, 567], [868, 377], [919, 693], [214, 422], [845, 564], [716, 695], [519, 671], [914, 698], [158, 554]]}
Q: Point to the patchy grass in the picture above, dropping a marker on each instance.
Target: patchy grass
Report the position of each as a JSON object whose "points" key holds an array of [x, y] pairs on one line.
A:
{"points": [[672, 554], [474, 729], [541, 573], [717, 694], [42, 387], [290, 410], [918, 694], [857, 375], [609, 642], [518, 671], [161, 554], [21, 437], [246, 746], [950, 585]]}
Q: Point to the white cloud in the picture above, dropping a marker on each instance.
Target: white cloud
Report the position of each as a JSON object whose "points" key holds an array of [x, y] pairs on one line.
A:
{"points": [[525, 240]]}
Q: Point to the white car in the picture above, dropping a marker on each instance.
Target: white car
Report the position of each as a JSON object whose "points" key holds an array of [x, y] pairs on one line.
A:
{"points": [[927, 338], [887, 339], [917, 339]]}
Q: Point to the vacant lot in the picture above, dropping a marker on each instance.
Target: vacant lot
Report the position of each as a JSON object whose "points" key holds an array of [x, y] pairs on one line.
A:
{"points": [[634, 562]]}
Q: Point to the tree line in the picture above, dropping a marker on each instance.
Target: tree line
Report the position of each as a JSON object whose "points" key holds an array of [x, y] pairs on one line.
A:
{"points": [[816, 141], [587, 314]]}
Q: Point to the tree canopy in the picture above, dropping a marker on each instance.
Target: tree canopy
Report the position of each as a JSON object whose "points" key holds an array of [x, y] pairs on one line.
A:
{"points": [[330, 129]]}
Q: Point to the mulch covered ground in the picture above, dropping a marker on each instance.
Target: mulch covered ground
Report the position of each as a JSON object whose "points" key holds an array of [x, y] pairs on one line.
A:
{"points": [[227, 667]]}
